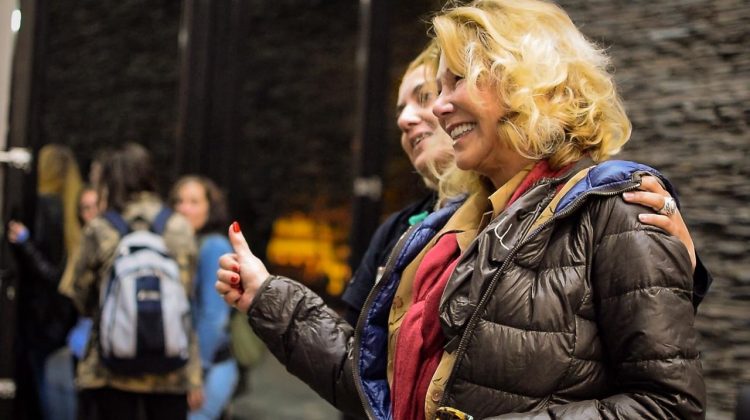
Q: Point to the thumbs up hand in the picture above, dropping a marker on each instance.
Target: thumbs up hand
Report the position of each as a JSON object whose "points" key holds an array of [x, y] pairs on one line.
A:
{"points": [[240, 274]]}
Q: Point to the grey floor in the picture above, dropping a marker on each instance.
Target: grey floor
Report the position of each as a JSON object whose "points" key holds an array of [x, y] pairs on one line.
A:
{"points": [[275, 394]]}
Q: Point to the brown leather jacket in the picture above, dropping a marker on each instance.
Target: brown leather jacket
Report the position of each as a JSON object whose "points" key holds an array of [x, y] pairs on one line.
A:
{"points": [[576, 311]]}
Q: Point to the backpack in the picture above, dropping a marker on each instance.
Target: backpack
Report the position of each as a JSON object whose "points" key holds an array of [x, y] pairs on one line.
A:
{"points": [[144, 323], [246, 347]]}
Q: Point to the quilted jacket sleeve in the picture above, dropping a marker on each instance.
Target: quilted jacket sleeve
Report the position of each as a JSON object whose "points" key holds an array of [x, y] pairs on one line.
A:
{"points": [[310, 339], [641, 283]]}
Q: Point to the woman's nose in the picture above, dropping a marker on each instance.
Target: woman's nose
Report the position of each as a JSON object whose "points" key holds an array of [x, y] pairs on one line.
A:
{"points": [[442, 106], [407, 118]]}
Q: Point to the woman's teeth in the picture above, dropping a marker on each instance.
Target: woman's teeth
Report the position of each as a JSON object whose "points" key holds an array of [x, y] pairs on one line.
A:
{"points": [[420, 137], [461, 129]]}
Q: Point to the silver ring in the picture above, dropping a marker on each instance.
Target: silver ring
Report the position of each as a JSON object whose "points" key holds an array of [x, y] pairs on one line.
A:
{"points": [[669, 208]]}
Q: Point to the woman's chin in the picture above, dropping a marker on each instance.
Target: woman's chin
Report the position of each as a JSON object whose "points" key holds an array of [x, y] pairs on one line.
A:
{"points": [[465, 164]]}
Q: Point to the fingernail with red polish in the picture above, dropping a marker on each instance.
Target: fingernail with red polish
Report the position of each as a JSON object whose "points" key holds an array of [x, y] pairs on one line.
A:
{"points": [[236, 268], [234, 279], [236, 227]]}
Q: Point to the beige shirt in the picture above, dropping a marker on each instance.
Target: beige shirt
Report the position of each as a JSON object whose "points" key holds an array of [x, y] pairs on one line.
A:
{"points": [[90, 268]]}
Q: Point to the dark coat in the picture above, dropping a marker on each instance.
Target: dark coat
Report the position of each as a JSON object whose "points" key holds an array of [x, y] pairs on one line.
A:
{"points": [[587, 315], [380, 247], [47, 315]]}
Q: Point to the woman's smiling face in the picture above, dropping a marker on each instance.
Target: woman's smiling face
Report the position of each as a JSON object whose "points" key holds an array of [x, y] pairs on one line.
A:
{"points": [[472, 123], [422, 138], [192, 202]]}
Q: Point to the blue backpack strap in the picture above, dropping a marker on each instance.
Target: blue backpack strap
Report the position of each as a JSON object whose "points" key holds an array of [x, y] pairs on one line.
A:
{"points": [[115, 219], [160, 221]]}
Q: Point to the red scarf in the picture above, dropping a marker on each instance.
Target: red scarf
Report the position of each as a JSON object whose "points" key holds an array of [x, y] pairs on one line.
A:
{"points": [[540, 170], [420, 338]]}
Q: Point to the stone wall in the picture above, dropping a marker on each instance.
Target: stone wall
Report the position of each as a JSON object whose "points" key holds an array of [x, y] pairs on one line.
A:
{"points": [[683, 68]]}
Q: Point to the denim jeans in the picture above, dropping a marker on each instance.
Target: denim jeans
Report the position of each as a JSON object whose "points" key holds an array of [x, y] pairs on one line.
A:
{"points": [[218, 387], [58, 390]]}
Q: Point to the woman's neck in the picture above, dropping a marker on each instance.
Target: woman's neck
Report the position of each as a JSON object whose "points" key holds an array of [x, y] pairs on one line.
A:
{"points": [[508, 171]]}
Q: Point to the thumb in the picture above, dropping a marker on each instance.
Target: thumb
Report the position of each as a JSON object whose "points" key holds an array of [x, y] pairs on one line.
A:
{"points": [[239, 244]]}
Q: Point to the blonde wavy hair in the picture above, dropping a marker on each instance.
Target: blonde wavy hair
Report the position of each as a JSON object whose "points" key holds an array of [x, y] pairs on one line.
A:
{"points": [[58, 175], [428, 58], [561, 100]]}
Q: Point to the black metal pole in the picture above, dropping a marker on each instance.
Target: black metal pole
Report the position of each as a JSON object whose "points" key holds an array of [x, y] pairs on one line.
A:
{"points": [[193, 104], [369, 141], [210, 36]]}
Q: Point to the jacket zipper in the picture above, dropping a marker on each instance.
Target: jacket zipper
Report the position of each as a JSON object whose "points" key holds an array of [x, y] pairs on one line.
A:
{"points": [[471, 325], [387, 271]]}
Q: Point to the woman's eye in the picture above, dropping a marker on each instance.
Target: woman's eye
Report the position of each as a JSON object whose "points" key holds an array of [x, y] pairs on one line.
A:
{"points": [[425, 98]]}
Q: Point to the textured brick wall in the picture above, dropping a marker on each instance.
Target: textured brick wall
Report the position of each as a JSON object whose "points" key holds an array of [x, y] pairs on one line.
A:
{"points": [[683, 68]]}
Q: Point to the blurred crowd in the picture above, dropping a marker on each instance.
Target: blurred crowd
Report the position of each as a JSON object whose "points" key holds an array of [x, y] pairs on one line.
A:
{"points": [[67, 264]]}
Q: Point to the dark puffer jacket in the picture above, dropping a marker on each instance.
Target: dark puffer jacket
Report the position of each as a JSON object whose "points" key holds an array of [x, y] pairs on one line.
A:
{"points": [[587, 315]]}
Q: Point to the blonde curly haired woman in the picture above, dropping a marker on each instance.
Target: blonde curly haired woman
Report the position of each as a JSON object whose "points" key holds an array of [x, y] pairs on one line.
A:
{"points": [[549, 299]]}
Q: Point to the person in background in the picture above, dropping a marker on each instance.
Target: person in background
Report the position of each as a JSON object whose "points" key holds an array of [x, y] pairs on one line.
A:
{"points": [[543, 268], [88, 210], [42, 253], [128, 187], [202, 203], [88, 205]]}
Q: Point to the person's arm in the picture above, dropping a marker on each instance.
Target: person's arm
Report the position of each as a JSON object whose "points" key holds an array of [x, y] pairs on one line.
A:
{"points": [[43, 268], [33, 258], [211, 313], [652, 195], [304, 334], [642, 283], [307, 337]]}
